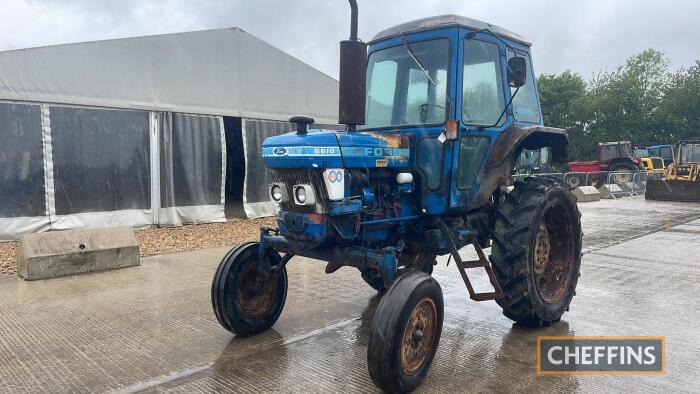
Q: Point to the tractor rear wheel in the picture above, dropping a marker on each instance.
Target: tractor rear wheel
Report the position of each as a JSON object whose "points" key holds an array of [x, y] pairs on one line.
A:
{"points": [[405, 332], [576, 180], [536, 253], [624, 172], [246, 298]]}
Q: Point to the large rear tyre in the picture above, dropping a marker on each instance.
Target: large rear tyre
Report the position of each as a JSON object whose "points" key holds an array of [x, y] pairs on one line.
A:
{"points": [[405, 332], [536, 253], [624, 171], [247, 299]]}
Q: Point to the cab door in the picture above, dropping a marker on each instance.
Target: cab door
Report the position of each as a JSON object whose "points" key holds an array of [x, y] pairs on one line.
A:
{"points": [[481, 99], [433, 154]]}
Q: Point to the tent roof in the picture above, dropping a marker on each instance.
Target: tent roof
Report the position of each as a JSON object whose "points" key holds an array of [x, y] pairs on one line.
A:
{"points": [[216, 72]]}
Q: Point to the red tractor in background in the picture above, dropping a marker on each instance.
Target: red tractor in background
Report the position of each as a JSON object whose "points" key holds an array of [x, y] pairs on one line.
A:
{"points": [[612, 157]]}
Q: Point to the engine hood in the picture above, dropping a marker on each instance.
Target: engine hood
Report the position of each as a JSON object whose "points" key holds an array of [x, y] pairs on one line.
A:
{"points": [[335, 149]]}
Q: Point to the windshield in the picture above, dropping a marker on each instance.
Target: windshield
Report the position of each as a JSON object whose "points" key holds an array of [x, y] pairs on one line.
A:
{"points": [[641, 152], [407, 84], [690, 153]]}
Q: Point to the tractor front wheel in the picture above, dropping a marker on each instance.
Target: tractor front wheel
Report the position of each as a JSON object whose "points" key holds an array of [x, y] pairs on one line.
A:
{"points": [[247, 298], [405, 332], [536, 254]]}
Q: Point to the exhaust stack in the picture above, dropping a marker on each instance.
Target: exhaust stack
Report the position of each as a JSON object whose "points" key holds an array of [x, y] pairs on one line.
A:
{"points": [[353, 67]]}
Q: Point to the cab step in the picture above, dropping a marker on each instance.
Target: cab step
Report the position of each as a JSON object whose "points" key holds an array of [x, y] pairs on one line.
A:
{"points": [[483, 262]]}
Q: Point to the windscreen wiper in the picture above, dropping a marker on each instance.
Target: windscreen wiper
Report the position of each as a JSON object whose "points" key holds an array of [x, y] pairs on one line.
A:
{"points": [[413, 56]]}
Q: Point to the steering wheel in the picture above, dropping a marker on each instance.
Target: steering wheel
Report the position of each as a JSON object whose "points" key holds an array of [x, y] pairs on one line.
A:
{"points": [[424, 110]]}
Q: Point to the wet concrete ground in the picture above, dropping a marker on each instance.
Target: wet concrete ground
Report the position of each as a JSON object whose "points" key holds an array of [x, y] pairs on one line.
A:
{"points": [[151, 328]]}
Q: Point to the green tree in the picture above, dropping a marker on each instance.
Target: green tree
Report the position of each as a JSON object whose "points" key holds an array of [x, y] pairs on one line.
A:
{"points": [[563, 100], [680, 109], [625, 104], [641, 101]]}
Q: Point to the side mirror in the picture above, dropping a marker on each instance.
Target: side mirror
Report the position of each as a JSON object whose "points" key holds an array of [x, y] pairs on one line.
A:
{"points": [[517, 71]]}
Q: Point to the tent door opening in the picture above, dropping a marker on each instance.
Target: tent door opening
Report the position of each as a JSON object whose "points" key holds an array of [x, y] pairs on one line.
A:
{"points": [[235, 167]]}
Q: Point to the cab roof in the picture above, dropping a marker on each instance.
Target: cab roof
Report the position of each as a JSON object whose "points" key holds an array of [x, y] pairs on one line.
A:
{"points": [[447, 21]]}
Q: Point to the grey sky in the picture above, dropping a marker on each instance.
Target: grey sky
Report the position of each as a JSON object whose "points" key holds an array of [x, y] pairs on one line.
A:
{"points": [[585, 36]]}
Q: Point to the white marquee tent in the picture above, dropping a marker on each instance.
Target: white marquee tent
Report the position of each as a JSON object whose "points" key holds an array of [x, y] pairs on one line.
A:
{"points": [[135, 131]]}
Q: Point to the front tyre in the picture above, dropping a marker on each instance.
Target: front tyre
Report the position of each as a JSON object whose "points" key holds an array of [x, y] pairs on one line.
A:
{"points": [[405, 332], [536, 254], [247, 299]]}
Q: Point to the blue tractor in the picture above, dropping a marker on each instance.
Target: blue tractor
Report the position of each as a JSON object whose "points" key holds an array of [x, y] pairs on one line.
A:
{"points": [[437, 112], [663, 151]]}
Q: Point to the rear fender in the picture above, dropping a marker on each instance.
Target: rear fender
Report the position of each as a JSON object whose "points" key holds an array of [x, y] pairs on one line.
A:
{"points": [[505, 152], [512, 142]]}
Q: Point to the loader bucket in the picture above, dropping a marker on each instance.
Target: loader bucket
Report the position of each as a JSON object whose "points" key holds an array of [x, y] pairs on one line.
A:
{"points": [[673, 190]]}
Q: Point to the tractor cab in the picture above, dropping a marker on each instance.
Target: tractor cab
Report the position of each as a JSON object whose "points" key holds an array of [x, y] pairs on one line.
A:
{"points": [[687, 164], [437, 95], [663, 151], [689, 152]]}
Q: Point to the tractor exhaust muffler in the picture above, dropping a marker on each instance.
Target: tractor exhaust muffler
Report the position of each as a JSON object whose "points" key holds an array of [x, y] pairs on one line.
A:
{"points": [[353, 66]]}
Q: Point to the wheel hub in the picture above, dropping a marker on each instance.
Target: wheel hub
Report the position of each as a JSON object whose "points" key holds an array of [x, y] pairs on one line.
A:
{"points": [[256, 291], [418, 336], [542, 249], [553, 255]]}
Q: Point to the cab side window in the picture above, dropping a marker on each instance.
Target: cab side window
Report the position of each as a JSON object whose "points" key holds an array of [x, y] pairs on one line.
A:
{"points": [[525, 106], [482, 87]]}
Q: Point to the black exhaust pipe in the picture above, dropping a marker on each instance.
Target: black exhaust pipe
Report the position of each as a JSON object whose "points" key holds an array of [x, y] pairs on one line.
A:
{"points": [[353, 67], [353, 20]]}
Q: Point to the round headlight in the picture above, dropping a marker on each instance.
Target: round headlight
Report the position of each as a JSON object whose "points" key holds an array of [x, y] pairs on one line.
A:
{"points": [[301, 195], [276, 193]]}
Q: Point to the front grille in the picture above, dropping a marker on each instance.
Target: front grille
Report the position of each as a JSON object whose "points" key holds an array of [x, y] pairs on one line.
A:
{"points": [[301, 176]]}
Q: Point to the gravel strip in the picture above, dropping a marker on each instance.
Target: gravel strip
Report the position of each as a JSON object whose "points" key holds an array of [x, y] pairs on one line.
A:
{"points": [[165, 240], [180, 239], [8, 258]]}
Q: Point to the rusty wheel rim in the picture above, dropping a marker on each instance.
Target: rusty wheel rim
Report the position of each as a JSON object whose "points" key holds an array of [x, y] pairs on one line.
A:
{"points": [[553, 256], [624, 177], [542, 249], [255, 293], [418, 336], [574, 182]]}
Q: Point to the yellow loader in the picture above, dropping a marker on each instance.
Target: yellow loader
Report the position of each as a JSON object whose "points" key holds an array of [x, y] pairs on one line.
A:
{"points": [[682, 181]]}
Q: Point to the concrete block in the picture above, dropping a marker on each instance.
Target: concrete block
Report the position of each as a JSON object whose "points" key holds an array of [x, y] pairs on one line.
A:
{"points": [[611, 191], [62, 253], [586, 194]]}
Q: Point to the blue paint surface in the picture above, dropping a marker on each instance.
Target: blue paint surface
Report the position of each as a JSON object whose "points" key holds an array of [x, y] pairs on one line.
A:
{"points": [[332, 149]]}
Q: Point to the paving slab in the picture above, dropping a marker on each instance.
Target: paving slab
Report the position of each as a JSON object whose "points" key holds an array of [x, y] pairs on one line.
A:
{"points": [[151, 328]]}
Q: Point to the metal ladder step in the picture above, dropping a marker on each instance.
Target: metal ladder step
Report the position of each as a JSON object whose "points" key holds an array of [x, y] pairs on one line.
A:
{"points": [[483, 262]]}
